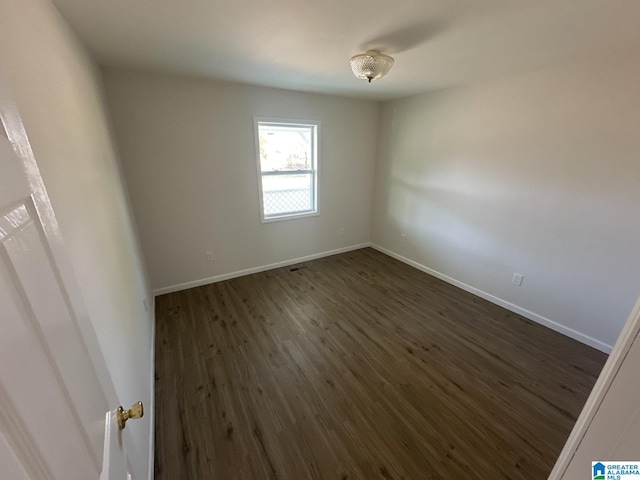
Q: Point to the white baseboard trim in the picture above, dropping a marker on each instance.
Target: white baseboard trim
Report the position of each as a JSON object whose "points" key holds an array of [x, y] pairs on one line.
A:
{"points": [[152, 396], [249, 271], [569, 332]]}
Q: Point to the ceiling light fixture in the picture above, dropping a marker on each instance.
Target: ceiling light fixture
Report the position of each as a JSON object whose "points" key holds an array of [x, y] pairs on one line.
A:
{"points": [[371, 65]]}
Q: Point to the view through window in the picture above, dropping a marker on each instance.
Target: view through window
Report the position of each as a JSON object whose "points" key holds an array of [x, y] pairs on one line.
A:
{"points": [[287, 160]]}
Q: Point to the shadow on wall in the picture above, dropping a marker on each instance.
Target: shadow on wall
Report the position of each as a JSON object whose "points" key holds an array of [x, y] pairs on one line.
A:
{"points": [[417, 209]]}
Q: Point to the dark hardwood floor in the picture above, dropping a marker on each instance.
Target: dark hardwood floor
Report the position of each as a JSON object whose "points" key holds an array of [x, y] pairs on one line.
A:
{"points": [[357, 366]]}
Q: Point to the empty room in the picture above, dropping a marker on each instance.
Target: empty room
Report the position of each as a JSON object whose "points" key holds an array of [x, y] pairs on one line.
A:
{"points": [[330, 240]]}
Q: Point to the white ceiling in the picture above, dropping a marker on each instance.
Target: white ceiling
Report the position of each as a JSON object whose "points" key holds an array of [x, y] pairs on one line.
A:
{"points": [[306, 45]]}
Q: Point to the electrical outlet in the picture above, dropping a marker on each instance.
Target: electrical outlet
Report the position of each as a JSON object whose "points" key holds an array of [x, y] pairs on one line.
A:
{"points": [[209, 256], [403, 237], [517, 279], [341, 232], [146, 306]]}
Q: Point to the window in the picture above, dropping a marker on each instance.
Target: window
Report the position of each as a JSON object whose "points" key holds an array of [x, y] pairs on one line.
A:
{"points": [[288, 168]]}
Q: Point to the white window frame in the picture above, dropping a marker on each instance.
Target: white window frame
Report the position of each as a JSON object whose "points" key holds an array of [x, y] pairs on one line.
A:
{"points": [[314, 171]]}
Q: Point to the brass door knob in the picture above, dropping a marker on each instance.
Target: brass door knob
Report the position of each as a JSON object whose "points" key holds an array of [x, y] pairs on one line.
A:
{"points": [[136, 411]]}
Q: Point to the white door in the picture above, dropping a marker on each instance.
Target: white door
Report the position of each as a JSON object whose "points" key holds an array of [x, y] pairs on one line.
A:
{"points": [[114, 466], [52, 400]]}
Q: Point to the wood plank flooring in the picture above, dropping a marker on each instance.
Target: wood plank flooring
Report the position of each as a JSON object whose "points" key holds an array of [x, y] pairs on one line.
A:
{"points": [[357, 366]]}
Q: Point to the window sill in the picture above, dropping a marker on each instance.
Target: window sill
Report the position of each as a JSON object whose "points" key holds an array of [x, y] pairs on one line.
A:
{"points": [[292, 216]]}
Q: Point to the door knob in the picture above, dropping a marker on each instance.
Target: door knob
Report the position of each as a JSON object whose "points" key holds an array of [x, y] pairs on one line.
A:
{"points": [[136, 411]]}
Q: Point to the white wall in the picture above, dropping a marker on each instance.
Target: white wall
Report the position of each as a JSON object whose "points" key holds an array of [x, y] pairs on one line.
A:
{"points": [[537, 174], [189, 155], [57, 90]]}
